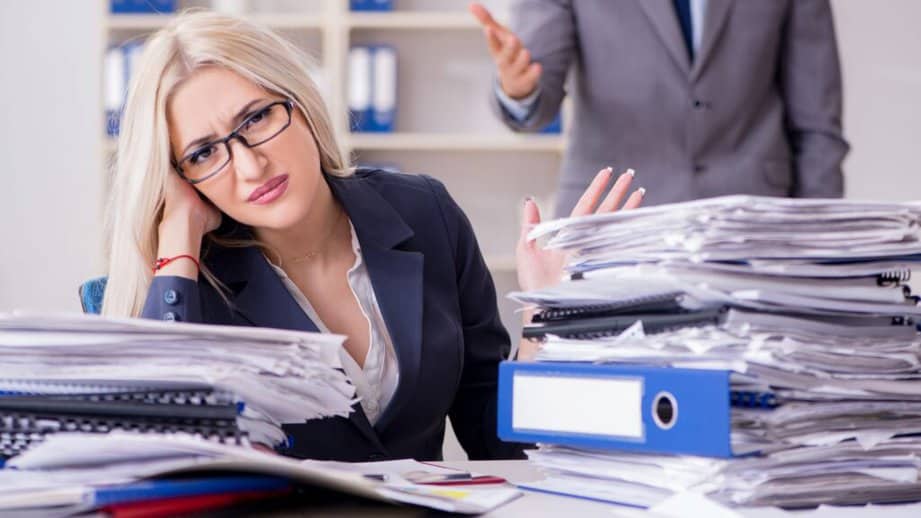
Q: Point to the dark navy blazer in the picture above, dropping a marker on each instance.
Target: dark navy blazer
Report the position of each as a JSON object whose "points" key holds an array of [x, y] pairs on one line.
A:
{"points": [[435, 294]]}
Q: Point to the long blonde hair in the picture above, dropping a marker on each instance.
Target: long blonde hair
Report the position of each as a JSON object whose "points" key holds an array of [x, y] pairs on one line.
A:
{"points": [[194, 39]]}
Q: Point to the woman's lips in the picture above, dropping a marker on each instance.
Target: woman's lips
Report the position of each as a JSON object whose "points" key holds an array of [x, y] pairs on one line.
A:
{"points": [[269, 191]]}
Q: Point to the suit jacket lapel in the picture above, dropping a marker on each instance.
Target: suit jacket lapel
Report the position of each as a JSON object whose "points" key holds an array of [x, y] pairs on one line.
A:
{"points": [[714, 21], [662, 15], [396, 276]]}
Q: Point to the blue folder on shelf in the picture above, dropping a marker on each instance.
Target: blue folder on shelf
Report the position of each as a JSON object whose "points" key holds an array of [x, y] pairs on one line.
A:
{"points": [[634, 408]]}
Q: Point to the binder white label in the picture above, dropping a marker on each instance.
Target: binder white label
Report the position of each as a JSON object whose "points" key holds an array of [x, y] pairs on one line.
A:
{"points": [[584, 405]]}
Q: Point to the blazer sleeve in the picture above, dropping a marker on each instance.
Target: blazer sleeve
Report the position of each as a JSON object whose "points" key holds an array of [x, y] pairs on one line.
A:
{"points": [[486, 342], [811, 83], [173, 298], [547, 29]]}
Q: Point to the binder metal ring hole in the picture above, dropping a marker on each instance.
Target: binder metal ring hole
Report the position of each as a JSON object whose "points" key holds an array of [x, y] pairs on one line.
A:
{"points": [[664, 410]]}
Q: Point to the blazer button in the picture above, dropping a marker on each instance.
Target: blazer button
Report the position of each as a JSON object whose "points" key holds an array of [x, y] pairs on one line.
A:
{"points": [[169, 316], [171, 297]]}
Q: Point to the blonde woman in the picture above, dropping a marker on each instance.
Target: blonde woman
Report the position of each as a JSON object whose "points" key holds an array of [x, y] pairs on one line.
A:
{"points": [[233, 205]]}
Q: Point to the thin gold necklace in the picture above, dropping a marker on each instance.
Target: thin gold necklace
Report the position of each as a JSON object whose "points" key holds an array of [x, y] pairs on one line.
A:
{"points": [[310, 255]]}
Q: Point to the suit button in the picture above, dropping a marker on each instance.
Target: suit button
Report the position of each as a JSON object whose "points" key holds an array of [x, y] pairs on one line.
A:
{"points": [[171, 297], [169, 316], [699, 168]]}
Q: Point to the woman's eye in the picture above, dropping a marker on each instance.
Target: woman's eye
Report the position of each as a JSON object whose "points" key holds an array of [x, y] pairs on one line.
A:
{"points": [[201, 155], [256, 118]]}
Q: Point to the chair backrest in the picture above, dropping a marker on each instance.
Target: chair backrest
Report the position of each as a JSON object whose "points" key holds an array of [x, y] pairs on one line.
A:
{"points": [[91, 293]]}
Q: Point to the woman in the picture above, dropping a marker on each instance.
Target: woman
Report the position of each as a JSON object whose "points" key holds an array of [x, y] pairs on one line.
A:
{"points": [[232, 204]]}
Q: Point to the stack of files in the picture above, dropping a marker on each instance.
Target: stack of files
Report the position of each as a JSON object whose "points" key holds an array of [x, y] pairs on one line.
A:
{"points": [[758, 351], [74, 473], [68, 373]]}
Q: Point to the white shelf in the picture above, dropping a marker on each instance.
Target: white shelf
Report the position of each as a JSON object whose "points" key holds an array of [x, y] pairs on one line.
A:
{"points": [[412, 20], [454, 142], [438, 142], [141, 22]]}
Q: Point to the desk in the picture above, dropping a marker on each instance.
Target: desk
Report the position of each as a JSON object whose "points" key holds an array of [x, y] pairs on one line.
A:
{"points": [[534, 504]]}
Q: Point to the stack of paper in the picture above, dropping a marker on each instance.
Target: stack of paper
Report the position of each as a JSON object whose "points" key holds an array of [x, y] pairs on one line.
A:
{"points": [[73, 473], [804, 302], [231, 384]]}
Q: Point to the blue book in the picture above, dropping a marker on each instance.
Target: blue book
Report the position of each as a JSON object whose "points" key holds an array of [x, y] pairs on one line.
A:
{"points": [[163, 489], [555, 127], [632, 408], [142, 6], [371, 5]]}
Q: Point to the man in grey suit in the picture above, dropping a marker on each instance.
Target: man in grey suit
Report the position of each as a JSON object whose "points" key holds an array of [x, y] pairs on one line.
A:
{"points": [[701, 97]]}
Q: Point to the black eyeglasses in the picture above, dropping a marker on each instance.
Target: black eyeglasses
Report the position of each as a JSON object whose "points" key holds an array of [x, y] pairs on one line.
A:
{"points": [[258, 128]]}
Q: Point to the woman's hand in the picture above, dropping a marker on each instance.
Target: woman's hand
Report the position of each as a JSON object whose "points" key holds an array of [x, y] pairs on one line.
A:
{"points": [[186, 219], [539, 268]]}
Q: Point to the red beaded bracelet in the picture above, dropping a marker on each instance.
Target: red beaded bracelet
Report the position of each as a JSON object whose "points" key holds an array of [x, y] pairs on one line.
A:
{"points": [[163, 261]]}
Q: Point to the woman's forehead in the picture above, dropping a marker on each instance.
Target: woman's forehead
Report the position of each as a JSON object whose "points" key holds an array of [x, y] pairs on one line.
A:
{"points": [[208, 96]]}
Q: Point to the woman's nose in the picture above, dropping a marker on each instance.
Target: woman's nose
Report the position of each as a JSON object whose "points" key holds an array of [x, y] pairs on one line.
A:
{"points": [[248, 163]]}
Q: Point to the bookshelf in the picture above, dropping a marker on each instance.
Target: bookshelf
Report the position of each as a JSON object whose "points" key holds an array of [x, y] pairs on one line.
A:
{"points": [[444, 124]]}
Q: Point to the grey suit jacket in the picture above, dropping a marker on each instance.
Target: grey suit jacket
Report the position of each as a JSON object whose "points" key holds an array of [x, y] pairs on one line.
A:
{"points": [[758, 110]]}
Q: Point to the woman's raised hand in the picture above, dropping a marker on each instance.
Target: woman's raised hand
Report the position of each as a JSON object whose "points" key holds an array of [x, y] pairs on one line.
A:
{"points": [[539, 268], [186, 219]]}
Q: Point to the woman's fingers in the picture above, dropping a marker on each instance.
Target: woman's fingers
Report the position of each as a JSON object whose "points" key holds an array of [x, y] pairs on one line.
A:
{"points": [[635, 199], [529, 217], [590, 197], [618, 192]]}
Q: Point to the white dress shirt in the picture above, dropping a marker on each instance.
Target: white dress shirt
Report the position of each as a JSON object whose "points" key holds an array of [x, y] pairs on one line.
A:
{"points": [[376, 382]]}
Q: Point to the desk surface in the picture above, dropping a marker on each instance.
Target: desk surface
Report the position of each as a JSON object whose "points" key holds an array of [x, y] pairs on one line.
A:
{"points": [[534, 504]]}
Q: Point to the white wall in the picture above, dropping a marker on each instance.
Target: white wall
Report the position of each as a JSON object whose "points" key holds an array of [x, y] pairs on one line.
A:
{"points": [[50, 166], [880, 47]]}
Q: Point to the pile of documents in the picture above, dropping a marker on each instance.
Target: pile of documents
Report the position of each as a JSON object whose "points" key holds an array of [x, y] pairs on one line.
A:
{"points": [[131, 474], [804, 304], [228, 384]]}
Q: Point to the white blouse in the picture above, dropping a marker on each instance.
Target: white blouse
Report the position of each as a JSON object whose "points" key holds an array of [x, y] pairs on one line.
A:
{"points": [[376, 383]]}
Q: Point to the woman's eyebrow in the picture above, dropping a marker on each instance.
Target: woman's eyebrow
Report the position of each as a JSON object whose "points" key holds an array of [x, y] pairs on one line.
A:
{"points": [[234, 121]]}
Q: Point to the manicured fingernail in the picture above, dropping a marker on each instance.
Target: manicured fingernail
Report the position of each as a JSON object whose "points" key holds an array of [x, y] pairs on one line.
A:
{"points": [[608, 169], [642, 191], [631, 172]]}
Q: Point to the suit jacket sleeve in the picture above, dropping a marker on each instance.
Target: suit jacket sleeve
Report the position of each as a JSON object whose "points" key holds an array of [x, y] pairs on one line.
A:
{"points": [[811, 82], [547, 29], [173, 298], [474, 412]]}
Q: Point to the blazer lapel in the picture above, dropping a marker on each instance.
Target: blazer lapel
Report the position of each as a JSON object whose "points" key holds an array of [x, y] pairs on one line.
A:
{"points": [[662, 15], [396, 276], [256, 292], [715, 17], [258, 296]]}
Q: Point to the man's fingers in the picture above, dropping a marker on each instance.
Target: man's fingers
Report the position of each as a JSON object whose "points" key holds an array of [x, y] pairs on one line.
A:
{"points": [[590, 197], [531, 76], [520, 63], [618, 193], [484, 17], [510, 47], [493, 41]]}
